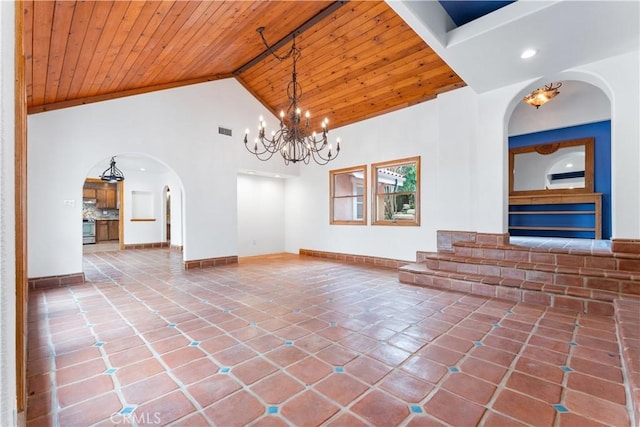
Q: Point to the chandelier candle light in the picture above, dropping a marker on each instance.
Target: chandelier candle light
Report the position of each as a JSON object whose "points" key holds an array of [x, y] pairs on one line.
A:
{"points": [[292, 140]]}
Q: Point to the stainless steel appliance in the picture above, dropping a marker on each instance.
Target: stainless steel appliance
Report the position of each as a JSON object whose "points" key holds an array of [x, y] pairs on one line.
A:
{"points": [[88, 231]]}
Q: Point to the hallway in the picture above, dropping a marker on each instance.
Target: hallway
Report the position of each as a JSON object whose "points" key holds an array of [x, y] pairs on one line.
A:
{"points": [[290, 340]]}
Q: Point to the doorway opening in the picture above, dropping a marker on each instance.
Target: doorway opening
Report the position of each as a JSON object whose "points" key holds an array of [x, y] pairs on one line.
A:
{"points": [[167, 216], [101, 216]]}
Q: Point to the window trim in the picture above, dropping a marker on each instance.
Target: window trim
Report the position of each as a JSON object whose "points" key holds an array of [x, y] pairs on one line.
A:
{"points": [[355, 199], [374, 193], [332, 174]]}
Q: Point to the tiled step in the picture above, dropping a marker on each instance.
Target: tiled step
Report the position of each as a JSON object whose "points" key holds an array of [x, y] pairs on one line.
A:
{"points": [[592, 301], [585, 279], [519, 272], [603, 259]]}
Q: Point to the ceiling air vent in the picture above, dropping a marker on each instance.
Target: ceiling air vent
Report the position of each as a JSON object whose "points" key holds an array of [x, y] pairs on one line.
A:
{"points": [[224, 131]]}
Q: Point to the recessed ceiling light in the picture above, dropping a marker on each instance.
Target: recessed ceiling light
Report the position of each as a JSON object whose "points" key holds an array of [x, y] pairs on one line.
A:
{"points": [[528, 53], [569, 165], [142, 169], [277, 176]]}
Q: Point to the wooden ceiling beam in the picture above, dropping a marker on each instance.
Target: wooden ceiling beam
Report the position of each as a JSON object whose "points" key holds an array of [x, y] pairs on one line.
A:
{"points": [[301, 29]]}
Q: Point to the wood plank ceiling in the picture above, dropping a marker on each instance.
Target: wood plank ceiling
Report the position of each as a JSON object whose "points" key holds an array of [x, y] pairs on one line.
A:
{"points": [[359, 59]]}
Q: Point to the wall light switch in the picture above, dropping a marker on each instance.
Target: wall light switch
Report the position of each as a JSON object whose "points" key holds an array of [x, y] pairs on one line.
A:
{"points": [[70, 203]]}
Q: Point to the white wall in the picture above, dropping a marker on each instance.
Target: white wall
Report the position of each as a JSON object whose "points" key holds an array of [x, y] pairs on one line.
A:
{"points": [[144, 231], [462, 140], [8, 404], [261, 213], [406, 133], [621, 77], [178, 127]]}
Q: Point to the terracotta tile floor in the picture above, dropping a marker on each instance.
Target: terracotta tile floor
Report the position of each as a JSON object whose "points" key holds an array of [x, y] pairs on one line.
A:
{"points": [[298, 341]]}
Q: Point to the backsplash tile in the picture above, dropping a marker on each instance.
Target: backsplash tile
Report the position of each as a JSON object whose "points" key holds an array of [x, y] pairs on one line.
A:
{"points": [[90, 211]]}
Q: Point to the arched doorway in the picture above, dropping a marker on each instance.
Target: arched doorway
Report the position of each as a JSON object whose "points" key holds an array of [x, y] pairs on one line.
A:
{"points": [[146, 202], [580, 110]]}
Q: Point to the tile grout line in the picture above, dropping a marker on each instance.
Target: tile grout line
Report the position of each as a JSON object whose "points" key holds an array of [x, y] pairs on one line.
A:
{"points": [[502, 385], [52, 362], [156, 356]]}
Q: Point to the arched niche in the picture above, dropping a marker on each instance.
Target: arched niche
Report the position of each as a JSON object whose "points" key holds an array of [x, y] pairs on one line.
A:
{"points": [[582, 109]]}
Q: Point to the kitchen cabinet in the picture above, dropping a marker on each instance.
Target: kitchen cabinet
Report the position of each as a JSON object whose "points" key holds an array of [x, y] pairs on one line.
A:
{"points": [[114, 230], [88, 193], [106, 198], [107, 230], [102, 230]]}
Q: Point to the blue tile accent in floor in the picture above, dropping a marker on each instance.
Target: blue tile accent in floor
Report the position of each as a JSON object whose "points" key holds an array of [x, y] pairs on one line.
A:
{"points": [[194, 343], [477, 343], [416, 409], [496, 325], [272, 410], [171, 325], [127, 410], [560, 408], [98, 344], [338, 369], [566, 368], [110, 371], [225, 370], [333, 324], [288, 343], [573, 343], [453, 369]]}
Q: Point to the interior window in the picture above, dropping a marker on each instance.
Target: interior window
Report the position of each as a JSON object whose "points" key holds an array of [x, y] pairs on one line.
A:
{"points": [[396, 192], [348, 193]]}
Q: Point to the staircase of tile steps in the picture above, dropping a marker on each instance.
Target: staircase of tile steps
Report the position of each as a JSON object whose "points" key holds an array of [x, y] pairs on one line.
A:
{"points": [[586, 281]]}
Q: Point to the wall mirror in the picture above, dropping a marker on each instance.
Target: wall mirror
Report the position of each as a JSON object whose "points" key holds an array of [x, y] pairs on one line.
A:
{"points": [[556, 167]]}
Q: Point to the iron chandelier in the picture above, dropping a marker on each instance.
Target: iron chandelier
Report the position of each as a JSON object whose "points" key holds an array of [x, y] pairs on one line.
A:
{"points": [[112, 173], [292, 140]]}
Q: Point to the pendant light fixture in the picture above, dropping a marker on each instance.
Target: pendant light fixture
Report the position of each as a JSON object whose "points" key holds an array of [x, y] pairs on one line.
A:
{"points": [[542, 95], [293, 139], [112, 173]]}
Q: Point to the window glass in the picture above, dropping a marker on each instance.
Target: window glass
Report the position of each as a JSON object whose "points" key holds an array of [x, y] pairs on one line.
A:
{"points": [[348, 193], [396, 190]]}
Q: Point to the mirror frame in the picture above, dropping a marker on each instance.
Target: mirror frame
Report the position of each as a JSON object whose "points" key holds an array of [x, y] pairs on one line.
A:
{"points": [[551, 147]]}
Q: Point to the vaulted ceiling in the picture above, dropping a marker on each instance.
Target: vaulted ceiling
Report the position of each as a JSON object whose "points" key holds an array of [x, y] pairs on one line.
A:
{"points": [[359, 58]]}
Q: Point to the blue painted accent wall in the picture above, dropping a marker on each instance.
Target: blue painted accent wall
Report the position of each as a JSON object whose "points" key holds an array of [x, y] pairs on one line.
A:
{"points": [[601, 132]]}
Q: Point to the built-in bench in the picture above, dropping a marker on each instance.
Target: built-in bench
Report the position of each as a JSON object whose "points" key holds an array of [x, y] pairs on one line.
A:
{"points": [[568, 215]]}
